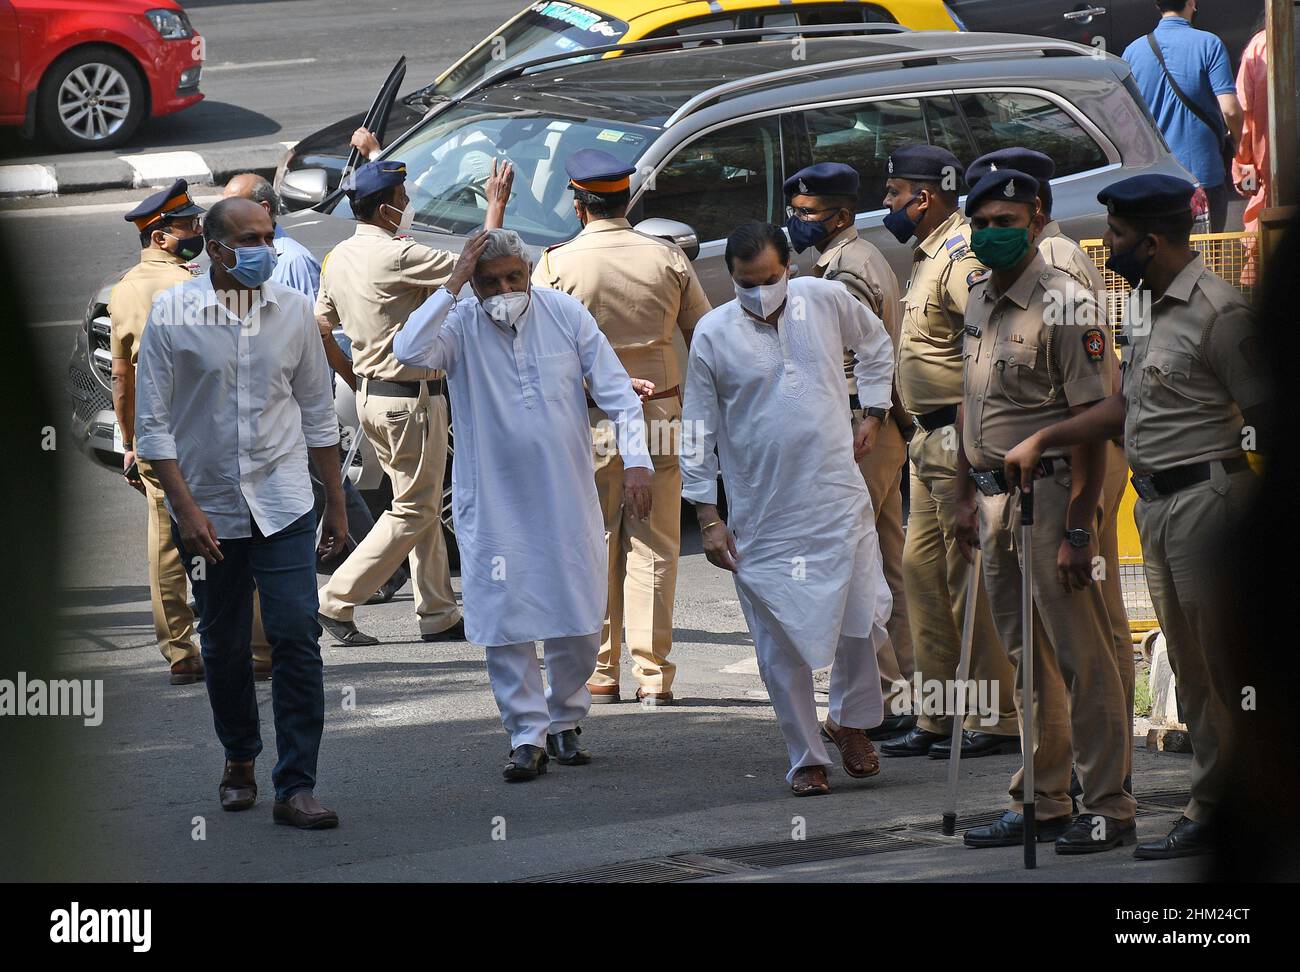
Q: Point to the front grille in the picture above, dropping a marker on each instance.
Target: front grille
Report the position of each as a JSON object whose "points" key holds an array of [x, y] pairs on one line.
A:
{"points": [[88, 397]]}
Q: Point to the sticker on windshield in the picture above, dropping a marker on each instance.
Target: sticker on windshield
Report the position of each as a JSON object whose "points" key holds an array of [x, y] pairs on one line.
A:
{"points": [[575, 17], [612, 135]]}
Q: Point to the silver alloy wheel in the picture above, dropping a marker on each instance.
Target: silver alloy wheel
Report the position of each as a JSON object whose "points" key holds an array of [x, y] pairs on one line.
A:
{"points": [[94, 101]]}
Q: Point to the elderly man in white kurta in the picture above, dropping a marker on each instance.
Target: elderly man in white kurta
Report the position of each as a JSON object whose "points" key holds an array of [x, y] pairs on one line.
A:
{"points": [[528, 522], [765, 385]]}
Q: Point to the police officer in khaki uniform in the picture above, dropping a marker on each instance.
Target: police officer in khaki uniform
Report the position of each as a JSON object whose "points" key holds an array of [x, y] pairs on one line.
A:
{"points": [[170, 236], [369, 285], [822, 201], [921, 193], [1036, 352], [1063, 253], [1193, 393], [640, 289]]}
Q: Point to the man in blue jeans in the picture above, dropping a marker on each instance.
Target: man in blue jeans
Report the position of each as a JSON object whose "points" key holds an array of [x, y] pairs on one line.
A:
{"points": [[233, 393], [1201, 68]]}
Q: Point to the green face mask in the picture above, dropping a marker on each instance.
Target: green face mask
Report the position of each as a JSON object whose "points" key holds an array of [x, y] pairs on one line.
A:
{"points": [[1000, 247]]}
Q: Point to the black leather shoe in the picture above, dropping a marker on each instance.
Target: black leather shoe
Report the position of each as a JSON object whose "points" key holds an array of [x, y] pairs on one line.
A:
{"points": [[1092, 833], [916, 742], [564, 747], [526, 763], [455, 633], [238, 787], [389, 589], [345, 632], [892, 726], [1009, 831], [977, 744], [1187, 839]]}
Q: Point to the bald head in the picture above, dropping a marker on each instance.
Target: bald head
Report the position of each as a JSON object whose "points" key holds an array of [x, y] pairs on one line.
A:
{"points": [[250, 185]]}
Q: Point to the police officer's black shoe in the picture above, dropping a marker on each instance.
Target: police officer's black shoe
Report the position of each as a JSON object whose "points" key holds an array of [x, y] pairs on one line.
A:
{"points": [[1092, 833], [345, 632], [1009, 831], [977, 744], [1187, 839], [916, 742], [564, 747], [455, 633], [894, 725], [526, 763]]}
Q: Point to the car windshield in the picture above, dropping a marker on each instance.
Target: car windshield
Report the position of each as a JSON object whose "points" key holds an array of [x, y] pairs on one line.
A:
{"points": [[448, 161], [546, 27]]}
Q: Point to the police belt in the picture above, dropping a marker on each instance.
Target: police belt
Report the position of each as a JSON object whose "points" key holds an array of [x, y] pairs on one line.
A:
{"points": [[401, 389], [937, 419], [993, 482], [1151, 486], [674, 392]]}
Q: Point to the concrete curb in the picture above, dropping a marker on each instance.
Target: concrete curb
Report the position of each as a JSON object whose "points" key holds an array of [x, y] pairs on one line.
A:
{"points": [[137, 171]]}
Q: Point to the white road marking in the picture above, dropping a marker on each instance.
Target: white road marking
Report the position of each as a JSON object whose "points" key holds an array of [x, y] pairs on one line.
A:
{"points": [[27, 180], [251, 65], [164, 168], [115, 207]]}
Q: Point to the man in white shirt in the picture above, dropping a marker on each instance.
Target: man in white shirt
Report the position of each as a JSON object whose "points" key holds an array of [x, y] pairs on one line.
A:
{"points": [[534, 563], [765, 385], [233, 392]]}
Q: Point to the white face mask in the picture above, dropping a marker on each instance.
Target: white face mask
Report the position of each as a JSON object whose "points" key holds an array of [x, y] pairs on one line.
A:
{"points": [[763, 300], [406, 217], [507, 308]]}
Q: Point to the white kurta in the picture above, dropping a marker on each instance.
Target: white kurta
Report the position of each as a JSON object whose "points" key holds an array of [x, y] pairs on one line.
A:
{"points": [[531, 535], [772, 401]]}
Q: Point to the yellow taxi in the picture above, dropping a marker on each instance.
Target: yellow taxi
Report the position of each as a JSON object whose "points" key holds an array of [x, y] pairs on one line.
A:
{"points": [[549, 27]]}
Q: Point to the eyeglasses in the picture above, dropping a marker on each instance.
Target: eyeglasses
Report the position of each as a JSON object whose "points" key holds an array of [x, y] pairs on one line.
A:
{"points": [[806, 214]]}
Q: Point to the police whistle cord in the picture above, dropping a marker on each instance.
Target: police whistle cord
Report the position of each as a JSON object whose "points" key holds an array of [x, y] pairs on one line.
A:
{"points": [[963, 672], [1027, 792], [347, 464]]}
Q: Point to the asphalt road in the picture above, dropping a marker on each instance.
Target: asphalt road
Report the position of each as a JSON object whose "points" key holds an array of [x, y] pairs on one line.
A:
{"points": [[276, 71]]}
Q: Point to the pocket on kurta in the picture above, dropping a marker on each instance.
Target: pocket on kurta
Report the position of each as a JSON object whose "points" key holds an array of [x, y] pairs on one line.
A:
{"points": [[558, 374]]}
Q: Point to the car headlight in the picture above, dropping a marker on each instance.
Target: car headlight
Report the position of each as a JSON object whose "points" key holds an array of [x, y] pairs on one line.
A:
{"points": [[170, 24]]}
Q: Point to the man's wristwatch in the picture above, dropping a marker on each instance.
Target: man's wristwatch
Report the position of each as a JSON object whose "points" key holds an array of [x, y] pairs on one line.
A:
{"points": [[876, 413], [1078, 538]]}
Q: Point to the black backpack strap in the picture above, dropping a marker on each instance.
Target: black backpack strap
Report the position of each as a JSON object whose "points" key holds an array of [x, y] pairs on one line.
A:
{"points": [[1218, 129]]}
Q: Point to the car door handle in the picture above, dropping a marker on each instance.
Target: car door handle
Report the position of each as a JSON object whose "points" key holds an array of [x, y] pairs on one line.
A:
{"points": [[1085, 14]]}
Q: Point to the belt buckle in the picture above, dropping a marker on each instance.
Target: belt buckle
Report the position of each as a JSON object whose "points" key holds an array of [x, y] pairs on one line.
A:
{"points": [[1145, 486], [987, 482]]}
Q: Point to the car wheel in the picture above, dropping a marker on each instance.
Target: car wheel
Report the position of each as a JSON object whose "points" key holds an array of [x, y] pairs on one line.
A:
{"points": [[91, 98]]}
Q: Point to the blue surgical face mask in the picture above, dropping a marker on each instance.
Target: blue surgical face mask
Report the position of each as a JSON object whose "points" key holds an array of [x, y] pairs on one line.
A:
{"points": [[899, 223], [807, 232], [253, 264]]}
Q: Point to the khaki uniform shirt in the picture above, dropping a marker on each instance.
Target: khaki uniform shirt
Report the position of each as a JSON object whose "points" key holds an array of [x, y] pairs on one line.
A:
{"points": [[1022, 371], [1190, 373], [369, 285], [637, 287], [944, 269], [863, 269], [132, 297]]}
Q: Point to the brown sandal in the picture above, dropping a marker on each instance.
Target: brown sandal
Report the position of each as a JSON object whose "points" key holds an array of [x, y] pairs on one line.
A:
{"points": [[810, 781], [856, 751]]}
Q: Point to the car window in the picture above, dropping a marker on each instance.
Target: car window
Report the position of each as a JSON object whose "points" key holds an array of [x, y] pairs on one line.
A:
{"points": [[1006, 119], [720, 180], [864, 134], [448, 162], [546, 27], [703, 25]]}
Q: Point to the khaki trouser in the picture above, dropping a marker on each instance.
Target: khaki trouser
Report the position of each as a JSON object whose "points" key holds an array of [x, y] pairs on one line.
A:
{"points": [[642, 553], [935, 578], [1077, 687], [1112, 494], [1179, 533], [173, 621], [883, 472], [409, 437]]}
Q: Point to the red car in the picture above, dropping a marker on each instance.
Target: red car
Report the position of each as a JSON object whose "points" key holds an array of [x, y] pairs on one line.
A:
{"points": [[85, 74]]}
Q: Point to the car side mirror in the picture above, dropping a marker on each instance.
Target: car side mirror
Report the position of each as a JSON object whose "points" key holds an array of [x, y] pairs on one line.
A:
{"points": [[674, 231], [304, 186]]}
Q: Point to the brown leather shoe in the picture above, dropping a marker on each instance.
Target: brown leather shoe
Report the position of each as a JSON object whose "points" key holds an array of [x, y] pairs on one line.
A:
{"points": [[652, 699], [304, 811], [187, 671], [603, 694], [262, 669], [238, 789], [810, 781], [856, 751]]}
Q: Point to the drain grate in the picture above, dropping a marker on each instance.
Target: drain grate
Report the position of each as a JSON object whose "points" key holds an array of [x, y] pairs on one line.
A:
{"points": [[1165, 799], [652, 870], [831, 847]]}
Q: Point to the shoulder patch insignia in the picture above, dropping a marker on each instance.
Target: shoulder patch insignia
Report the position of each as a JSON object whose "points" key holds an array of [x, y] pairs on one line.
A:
{"points": [[1094, 342], [954, 241], [976, 276]]}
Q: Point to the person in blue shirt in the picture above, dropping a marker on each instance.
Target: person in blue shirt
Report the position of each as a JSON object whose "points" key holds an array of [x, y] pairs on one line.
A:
{"points": [[294, 265], [1201, 67]]}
